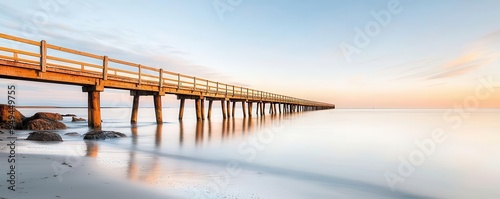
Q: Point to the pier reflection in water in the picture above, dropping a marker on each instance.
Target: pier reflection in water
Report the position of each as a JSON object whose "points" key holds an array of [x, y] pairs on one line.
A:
{"points": [[149, 144]]}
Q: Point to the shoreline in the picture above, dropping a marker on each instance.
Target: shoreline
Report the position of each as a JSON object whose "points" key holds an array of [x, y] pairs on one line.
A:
{"points": [[36, 177]]}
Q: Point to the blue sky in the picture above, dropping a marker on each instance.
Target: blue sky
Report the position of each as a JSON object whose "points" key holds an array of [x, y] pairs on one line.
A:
{"points": [[429, 54]]}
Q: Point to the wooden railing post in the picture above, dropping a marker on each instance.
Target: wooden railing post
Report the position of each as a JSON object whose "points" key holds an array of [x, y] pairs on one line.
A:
{"points": [[194, 85], [178, 81], [43, 56], [217, 89], [140, 73], [226, 90], [161, 77], [105, 68]]}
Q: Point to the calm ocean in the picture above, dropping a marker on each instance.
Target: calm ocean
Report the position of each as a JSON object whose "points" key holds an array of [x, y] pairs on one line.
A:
{"points": [[343, 153]]}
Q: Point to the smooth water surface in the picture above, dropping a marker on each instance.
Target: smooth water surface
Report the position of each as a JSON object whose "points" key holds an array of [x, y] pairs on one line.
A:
{"points": [[344, 153]]}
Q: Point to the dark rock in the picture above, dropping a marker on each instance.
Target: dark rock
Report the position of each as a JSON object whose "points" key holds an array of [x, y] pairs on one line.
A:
{"points": [[102, 135], [44, 136], [4, 117], [68, 115], [43, 124], [72, 134], [45, 115], [77, 119], [44, 121]]}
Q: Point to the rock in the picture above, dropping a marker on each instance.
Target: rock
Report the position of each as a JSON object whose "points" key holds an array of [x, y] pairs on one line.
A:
{"points": [[45, 115], [72, 134], [4, 117], [102, 135], [77, 119], [44, 136], [68, 115], [43, 124], [44, 121]]}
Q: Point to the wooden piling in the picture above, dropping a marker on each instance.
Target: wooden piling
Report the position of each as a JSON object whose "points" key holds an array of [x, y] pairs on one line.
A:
{"points": [[263, 108], [234, 107], [135, 109], [198, 109], [223, 106], [257, 109], [244, 108], [181, 108], [250, 104], [95, 98], [90, 117], [210, 102], [202, 101], [158, 109], [228, 108]]}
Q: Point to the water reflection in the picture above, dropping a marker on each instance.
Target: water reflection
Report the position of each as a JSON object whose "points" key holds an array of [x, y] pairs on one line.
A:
{"points": [[144, 167], [92, 149], [158, 134], [199, 132]]}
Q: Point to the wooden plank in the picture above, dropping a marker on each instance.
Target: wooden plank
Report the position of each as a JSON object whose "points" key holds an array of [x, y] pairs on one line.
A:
{"points": [[150, 68], [19, 59], [85, 54], [122, 71], [123, 62], [18, 39], [19, 52], [72, 62]]}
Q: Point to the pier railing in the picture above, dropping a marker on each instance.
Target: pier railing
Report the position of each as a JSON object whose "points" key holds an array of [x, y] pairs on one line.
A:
{"points": [[49, 56]]}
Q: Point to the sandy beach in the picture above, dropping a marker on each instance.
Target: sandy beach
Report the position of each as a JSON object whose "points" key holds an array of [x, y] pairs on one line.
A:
{"points": [[56, 176]]}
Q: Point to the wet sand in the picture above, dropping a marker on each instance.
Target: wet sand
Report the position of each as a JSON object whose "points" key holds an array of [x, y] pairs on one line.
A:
{"points": [[79, 177]]}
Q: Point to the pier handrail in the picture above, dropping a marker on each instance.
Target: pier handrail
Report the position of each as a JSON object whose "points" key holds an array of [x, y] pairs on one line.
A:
{"points": [[141, 74]]}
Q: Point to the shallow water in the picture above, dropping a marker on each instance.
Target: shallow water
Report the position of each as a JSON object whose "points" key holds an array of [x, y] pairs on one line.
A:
{"points": [[343, 153]]}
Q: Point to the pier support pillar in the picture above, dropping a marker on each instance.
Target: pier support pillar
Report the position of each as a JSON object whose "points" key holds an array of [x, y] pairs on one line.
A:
{"points": [[94, 105], [158, 109], [244, 108], [202, 101], [135, 109], [263, 108], [234, 108], [198, 109], [181, 108], [223, 106], [228, 108], [257, 109], [94, 102], [250, 104], [210, 102], [279, 107]]}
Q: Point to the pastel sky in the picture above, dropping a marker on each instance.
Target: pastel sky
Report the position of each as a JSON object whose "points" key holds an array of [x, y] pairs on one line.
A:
{"points": [[400, 54]]}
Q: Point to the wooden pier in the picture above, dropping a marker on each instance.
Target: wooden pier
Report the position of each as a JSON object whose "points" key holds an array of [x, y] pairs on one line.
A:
{"points": [[94, 73]]}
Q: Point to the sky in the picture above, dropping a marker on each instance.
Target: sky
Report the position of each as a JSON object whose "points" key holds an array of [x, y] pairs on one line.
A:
{"points": [[352, 53]]}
